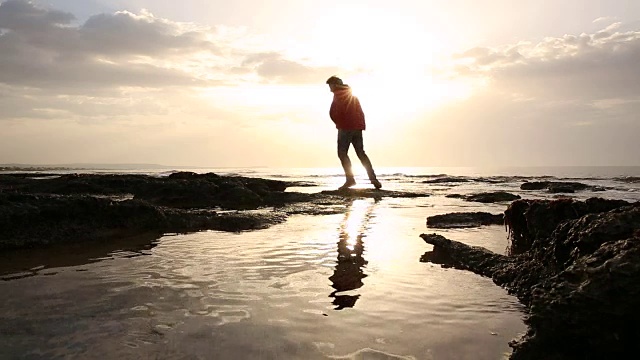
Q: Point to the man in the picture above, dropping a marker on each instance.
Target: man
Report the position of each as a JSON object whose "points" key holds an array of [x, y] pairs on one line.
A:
{"points": [[347, 114]]}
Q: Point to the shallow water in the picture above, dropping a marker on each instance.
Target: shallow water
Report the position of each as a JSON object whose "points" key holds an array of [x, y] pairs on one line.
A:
{"points": [[336, 286], [315, 287]]}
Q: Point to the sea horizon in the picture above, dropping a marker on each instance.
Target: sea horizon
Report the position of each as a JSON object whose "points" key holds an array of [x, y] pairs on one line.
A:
{"points": [[568, 171]]}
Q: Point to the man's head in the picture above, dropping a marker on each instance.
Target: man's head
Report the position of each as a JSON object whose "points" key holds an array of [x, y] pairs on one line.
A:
{"points": [[336, 83]]}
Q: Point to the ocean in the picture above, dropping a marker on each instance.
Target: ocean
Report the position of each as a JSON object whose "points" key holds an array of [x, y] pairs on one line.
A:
{"points": [[283, 292]]}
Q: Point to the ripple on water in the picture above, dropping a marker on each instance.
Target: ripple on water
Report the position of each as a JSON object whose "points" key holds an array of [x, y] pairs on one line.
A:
{"points": [[371, 354]]}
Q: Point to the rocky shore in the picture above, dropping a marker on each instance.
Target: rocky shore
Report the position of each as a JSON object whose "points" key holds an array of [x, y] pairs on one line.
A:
{"points": [[464, 220], [575, 265], [39, 208]]}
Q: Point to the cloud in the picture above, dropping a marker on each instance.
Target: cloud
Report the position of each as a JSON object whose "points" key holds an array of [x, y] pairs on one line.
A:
{"points": [[568, 100], [273, 67], [24, 16], [582, 67], [604, 19], [49, 61], [131, 34], [39, 48]]}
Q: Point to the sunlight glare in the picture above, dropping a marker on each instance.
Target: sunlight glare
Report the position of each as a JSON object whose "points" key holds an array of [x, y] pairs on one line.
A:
{"points": [[391, 58], [357, 218]]}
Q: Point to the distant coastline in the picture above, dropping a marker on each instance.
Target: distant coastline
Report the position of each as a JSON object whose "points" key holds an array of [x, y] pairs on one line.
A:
{"points": [[569, 171], [90, 166]]}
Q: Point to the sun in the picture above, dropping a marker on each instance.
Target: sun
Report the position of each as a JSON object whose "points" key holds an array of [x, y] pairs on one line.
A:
{"points": [[374, 38], [390, 59]]}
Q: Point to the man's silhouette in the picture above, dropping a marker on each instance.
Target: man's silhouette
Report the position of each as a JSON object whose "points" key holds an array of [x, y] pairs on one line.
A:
{"points": [[348, 116]]}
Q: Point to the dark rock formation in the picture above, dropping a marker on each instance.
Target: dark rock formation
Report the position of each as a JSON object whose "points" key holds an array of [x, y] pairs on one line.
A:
{"points": [[464, 219], [462, 256], [487, 197], [446, 180], [491, 197], [528, 220], [38, 210], [185, 190], [556, 187], [27, 220], [629, 179], [579, 275], [455, 196]]}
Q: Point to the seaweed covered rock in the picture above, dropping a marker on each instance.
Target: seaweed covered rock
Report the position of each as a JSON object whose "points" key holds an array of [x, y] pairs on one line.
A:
{"points": [[464, 219], [185, 190], [446, 180], [491, 197], [579, 275], [181, 193], [587, 304], [528, 220], [558, 187], [455, 196], [41, 209], [462, 256], [28, 220], [629, 179]]}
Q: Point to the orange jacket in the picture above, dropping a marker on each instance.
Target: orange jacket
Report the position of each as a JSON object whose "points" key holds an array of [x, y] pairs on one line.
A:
{"points": [[346, 111]]}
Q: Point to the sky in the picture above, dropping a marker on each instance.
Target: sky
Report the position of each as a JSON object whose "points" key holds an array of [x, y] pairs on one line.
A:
{"points": [[242, 83]]}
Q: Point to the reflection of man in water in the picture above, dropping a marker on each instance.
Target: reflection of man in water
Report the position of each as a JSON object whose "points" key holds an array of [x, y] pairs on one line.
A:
{"points": [[348, 273]]}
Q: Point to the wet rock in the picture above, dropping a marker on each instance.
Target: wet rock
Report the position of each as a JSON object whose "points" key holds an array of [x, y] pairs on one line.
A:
{"points": [[556, 187], [579, 277], [590, 295], [491, 197], [464, 220], [561, 188], [528, 220], [243, 221], [629, 179], [186, 190], [291, 184], [181, 193], [497, 179], [184, 175], [78, 207], [28, 220], [462, 256], [455, 196], [446, 180]]}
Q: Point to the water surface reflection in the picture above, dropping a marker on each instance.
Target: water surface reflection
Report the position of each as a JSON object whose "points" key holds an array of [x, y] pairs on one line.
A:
{"points": [[349, 269], [21, 263]]}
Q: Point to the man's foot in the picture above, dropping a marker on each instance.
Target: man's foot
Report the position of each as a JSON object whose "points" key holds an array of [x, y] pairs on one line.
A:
{"points": [[376, 183], [347, 184]]}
